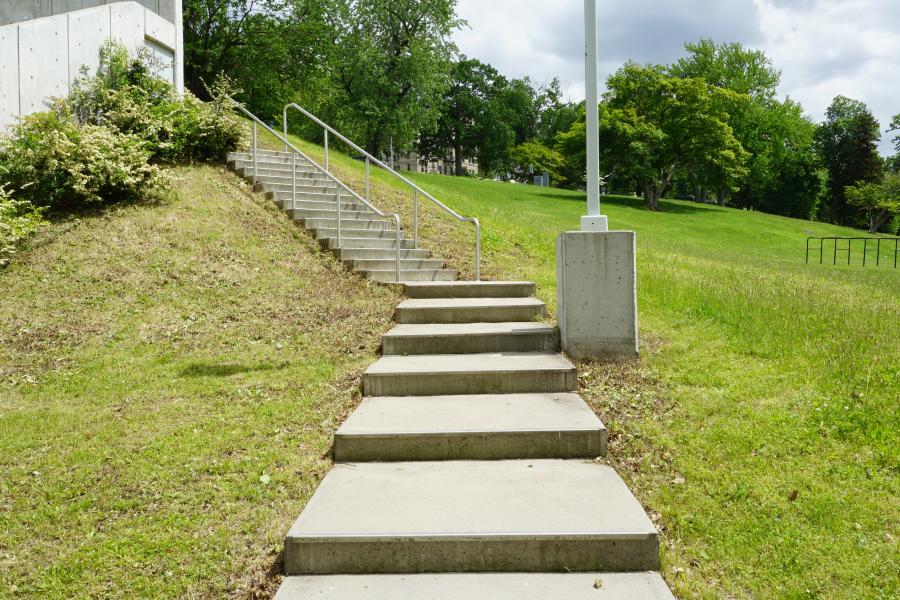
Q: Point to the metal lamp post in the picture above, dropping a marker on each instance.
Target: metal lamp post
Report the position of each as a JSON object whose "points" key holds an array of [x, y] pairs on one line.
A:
{"points": [[594, 221]]}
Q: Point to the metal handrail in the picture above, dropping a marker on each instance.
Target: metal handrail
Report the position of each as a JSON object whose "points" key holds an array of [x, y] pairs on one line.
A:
{"points": [[371, 159], [340, 184]]}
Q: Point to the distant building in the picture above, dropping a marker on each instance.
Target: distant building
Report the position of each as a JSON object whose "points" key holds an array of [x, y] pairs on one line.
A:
{"points": [[413, 163], [45, 43]]}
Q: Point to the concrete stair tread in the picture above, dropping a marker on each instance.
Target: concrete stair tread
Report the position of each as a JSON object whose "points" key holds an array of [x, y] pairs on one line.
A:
{"points": [[506, 515], [426, 330], [486, 413], [491, 362], [478, 586], [460, 289], [466, 303]]}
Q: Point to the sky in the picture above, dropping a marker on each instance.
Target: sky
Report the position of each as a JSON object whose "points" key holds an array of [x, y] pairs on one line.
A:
{"points": [[823, 48]]}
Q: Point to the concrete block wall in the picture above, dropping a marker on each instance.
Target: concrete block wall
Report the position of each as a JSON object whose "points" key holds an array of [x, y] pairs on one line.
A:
{"points": [[16, 11], [42, 57]]}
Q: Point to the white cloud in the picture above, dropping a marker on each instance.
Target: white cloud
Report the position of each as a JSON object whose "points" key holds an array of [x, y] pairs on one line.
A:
{"points": [[823, 47]]}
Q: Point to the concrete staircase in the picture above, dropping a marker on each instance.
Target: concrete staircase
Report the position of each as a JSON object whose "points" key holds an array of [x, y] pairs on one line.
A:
{"points": [[368, 241], [467, 471]]}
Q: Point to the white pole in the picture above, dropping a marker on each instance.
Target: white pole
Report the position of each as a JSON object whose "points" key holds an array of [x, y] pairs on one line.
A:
{"points": [[594, 221], [179, 48]]}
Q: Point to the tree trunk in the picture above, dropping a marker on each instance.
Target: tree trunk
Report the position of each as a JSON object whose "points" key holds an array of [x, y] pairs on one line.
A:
{"points": [[720, 198], [877, 220], [651, 196], [458, 160]]}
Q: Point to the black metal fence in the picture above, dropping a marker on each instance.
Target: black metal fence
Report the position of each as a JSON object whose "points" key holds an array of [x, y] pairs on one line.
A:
{"points": [[892, 246]]}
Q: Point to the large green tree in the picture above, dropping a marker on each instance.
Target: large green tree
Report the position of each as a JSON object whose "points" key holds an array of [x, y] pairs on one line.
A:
{"points": [[781, 175], [657, 124], [268, 46], [846, 143], [471, 122], [389, 62]]}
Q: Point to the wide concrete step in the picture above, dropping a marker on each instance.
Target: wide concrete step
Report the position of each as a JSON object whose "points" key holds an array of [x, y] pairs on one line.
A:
{"points": [[378, 253], [469, 310], [467, 338], [491, 373], [361, 239], [269, 163], [477, 586], [481, 427], [471, 516], [390, 276], [406, 264], [471, 289]]}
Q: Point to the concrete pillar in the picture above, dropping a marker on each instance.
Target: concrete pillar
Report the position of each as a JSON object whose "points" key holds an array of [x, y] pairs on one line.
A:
{"points": [[596, 283]]}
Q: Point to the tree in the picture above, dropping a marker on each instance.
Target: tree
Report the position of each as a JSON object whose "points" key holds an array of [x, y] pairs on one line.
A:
{"points": [[895, 126], [730, 66], [390, 62], [535, 154], [657, 124], [846, 144], [879, 201], [268, 46], [470, 122]]}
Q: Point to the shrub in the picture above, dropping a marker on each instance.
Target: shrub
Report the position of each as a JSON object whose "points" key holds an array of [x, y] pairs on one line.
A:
{"points": [[57, 163], [126, 95], [18, 219]]}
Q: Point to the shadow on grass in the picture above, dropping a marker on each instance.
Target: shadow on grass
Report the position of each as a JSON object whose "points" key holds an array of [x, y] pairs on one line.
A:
{"points": [[666, 206], [199, 369]]}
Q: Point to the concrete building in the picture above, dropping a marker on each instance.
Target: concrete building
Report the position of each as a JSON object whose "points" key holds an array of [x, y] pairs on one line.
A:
{"points": [[413, 163], [45, 43]]}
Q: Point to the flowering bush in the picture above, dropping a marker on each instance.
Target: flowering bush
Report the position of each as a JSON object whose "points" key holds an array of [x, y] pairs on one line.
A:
{"points": [[18, 219], [52, 161]]}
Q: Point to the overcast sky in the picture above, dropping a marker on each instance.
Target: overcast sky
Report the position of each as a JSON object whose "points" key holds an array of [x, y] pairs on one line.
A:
{"points": [[822, 47]]}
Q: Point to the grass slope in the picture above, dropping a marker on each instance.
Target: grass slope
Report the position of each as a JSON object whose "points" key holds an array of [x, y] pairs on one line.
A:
{"points": [[170, 380], [761, 426]]}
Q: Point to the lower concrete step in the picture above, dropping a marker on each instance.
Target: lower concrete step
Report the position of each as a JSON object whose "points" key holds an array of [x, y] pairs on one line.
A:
{"points": [[477, 586], [471, 516], [469, 310], [494, 373], [390, 276], [468, 338], [478, 427], [471, 289], [348, 232]]}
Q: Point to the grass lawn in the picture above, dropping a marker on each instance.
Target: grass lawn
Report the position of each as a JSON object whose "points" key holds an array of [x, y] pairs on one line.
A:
{"points": [[170, 379], [171, 376], [761, 428]]}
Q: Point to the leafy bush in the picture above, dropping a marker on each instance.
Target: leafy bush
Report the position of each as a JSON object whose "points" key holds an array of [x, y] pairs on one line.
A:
{"points": [[18, 219], [53, 161], [127, 95]]}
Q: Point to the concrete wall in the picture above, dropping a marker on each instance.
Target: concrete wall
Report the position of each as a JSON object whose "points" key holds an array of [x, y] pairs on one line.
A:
{"points": [[16, 11], [42, 57]]}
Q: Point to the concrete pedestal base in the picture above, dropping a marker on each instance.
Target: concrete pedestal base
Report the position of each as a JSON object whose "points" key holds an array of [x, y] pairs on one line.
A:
{"points": [[597, 294]]}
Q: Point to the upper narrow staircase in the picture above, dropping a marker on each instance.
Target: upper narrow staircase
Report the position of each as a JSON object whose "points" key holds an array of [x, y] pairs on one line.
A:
{"points": [[368, 241]]}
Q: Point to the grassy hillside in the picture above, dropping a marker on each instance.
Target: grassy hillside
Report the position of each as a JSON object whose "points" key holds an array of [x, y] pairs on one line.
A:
{"points": [[761, 425], [170, 379]]}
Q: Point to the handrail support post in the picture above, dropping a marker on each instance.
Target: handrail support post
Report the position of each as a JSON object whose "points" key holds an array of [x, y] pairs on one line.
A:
{"points": [[327, 167], [416, 219], [255, 152], [339, 217]]}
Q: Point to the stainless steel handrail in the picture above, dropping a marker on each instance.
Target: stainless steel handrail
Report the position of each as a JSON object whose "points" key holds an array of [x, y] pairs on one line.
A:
{"points": [[340, 184], [371, 159]]}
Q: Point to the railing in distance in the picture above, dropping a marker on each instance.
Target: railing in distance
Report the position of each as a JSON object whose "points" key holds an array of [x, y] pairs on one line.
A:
{"points": [[888, 241]]}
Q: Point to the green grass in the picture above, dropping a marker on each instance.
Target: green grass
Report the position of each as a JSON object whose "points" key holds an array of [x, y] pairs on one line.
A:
{"points": [[170, 379], [761, 426]]}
